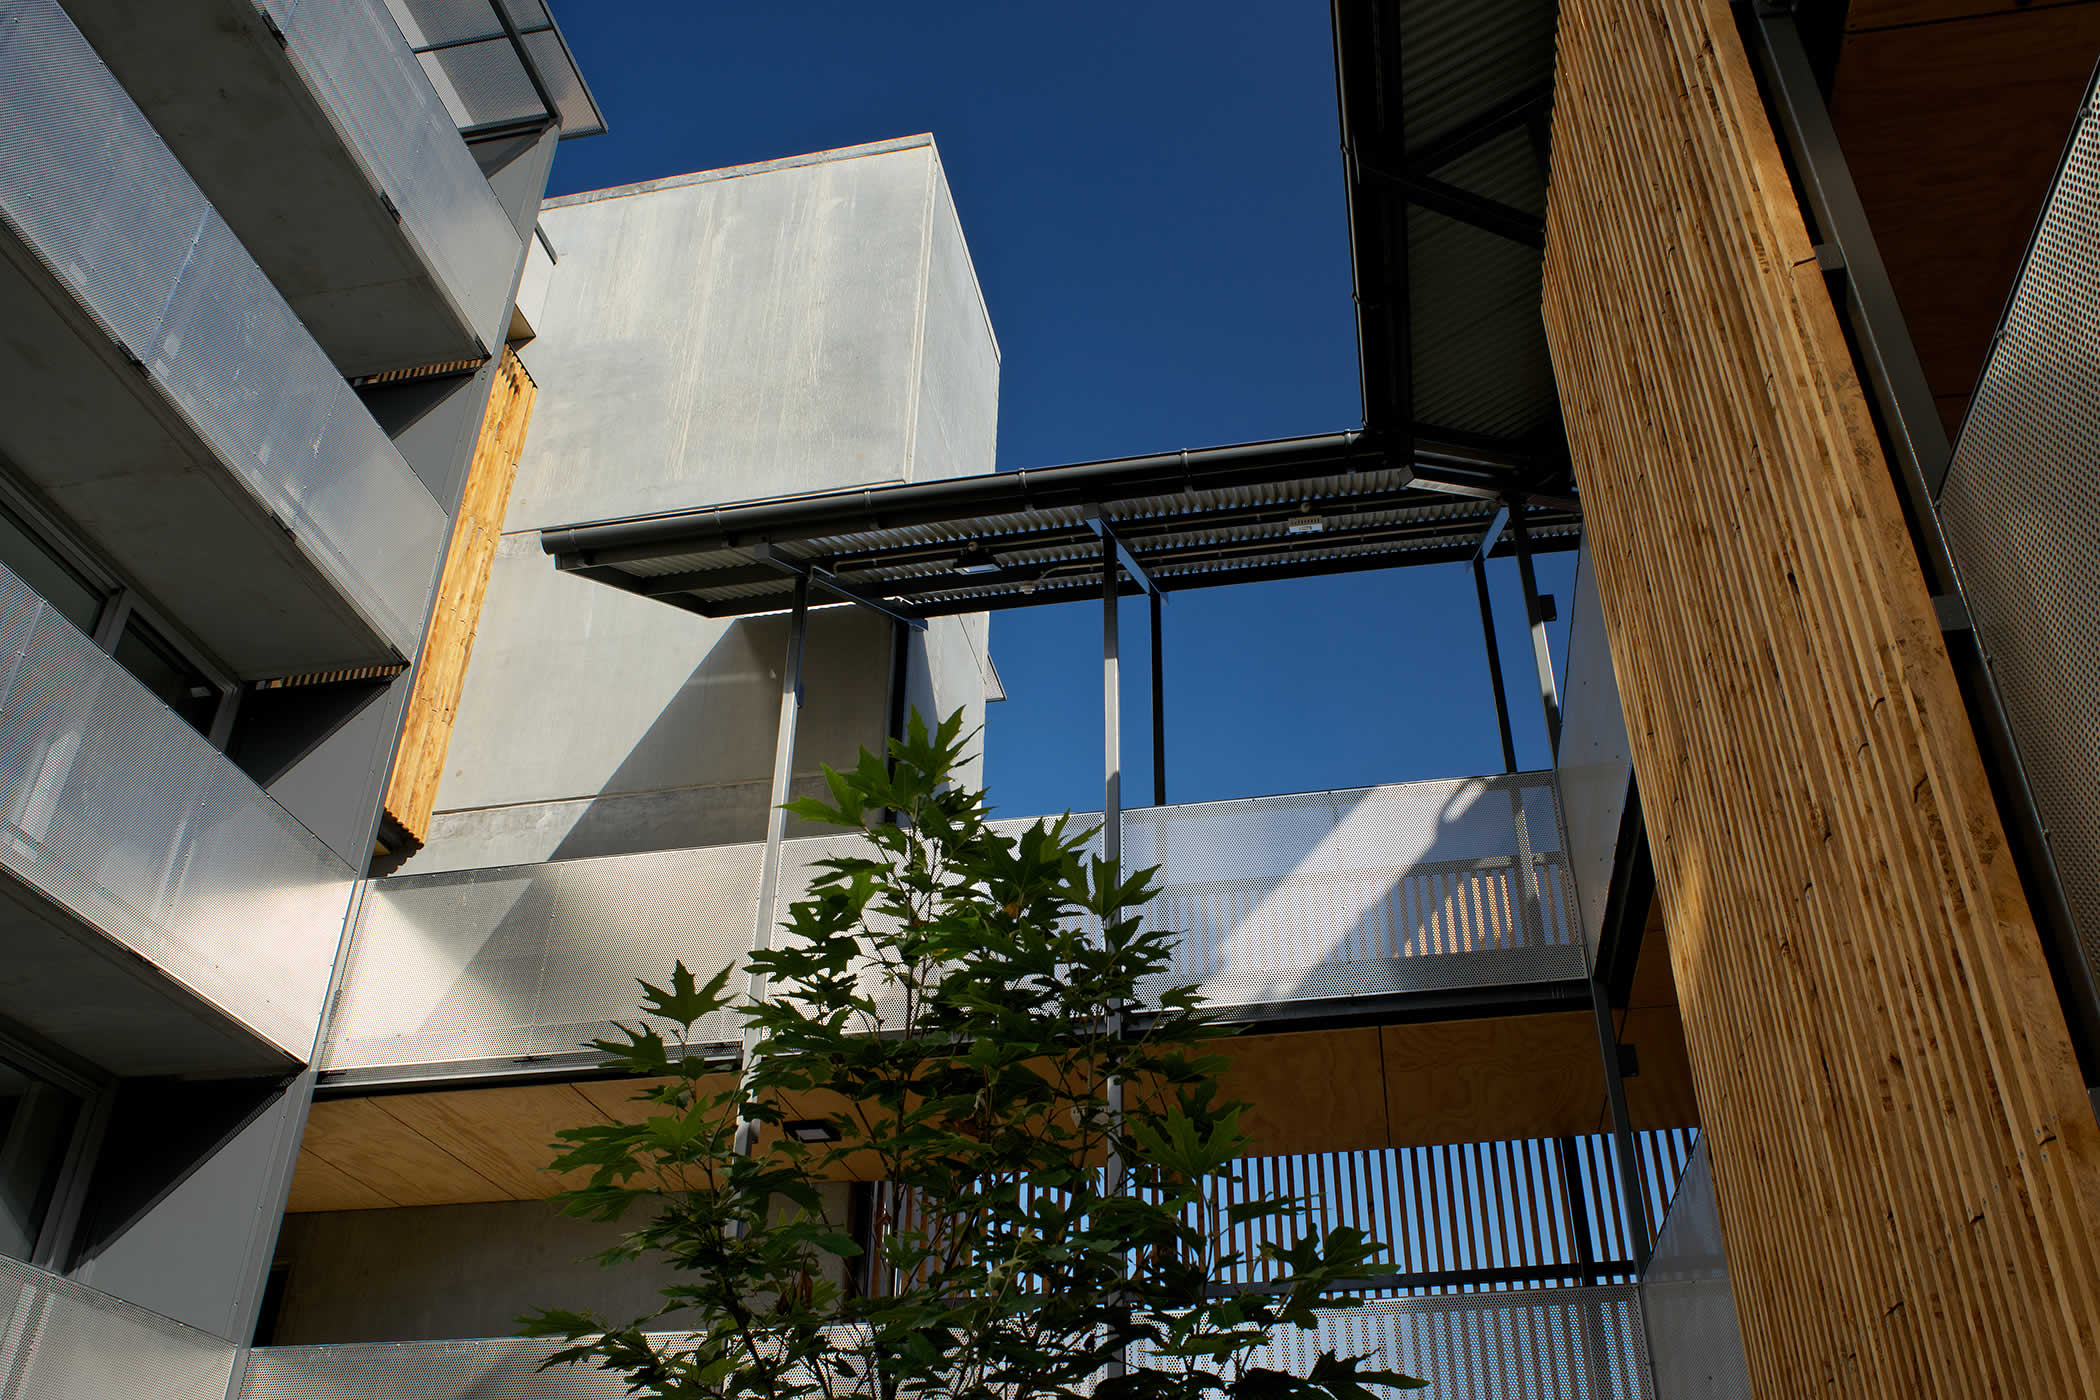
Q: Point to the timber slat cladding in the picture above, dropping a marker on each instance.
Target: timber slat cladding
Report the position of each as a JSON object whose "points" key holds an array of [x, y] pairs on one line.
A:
{"points": [[1907, 1167], [427, 723]]}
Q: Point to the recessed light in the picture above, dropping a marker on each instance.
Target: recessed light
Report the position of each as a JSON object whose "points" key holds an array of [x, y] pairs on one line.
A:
{"points": [[811, 1130]]}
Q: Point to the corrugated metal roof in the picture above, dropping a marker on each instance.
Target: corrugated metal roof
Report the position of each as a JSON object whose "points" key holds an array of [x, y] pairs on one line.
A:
{"points": [[976, 544]]}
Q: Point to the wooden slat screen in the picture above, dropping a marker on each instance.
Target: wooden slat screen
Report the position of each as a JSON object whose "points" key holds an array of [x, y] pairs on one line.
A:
{"points": [[427, 723], [1904, 1157]]}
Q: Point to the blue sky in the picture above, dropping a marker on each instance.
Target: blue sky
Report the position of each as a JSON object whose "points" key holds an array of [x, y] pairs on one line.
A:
{"points": [[1153, 198]]}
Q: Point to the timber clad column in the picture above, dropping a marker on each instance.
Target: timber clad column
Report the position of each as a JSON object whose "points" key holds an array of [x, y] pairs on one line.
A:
{"points": [[1905, 1160], [426, 729]]}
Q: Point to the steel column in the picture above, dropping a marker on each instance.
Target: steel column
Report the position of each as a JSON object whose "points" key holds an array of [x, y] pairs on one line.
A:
{"points": [[1632, 1201], [776, 821], [1541, 647], [1111, 708], [1494, 656], [1159, 709]]}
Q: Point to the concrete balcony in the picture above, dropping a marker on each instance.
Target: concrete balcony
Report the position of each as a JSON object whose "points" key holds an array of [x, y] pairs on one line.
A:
{"points": [[161, 914], [1326, 905], [162, 395], [314, 130]]}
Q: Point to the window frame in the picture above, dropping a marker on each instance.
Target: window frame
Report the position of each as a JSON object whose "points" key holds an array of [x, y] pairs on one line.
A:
{"points": [[97, 1093], [122, 601]]}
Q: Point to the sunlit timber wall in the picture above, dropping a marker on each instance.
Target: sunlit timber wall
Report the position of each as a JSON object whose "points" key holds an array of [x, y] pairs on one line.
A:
{"points": [[1904, 1160]]}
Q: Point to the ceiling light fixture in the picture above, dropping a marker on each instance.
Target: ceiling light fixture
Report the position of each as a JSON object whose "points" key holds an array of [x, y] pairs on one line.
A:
{"points": [[811, 1130], [976, 560]]}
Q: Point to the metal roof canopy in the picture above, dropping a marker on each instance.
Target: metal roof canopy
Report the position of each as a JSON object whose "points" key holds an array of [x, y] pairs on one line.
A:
{"points": [[1337, 503]]}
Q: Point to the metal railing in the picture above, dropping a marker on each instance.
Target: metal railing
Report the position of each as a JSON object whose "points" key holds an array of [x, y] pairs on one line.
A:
{"points": [[1573, 1343], [114, 809], [58, 1339], [1312, 897], [385, 108], [88, 185]]}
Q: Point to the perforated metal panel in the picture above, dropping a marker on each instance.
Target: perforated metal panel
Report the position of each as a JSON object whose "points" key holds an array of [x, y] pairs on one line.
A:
{"points": [[1369, 891], [1568, 1344], [382, 102], [1692, 1331], [534, 959], [2018, 508], [60, 1341], [1281, 899], [1578, 1343], [117, 810], [89, 186]]}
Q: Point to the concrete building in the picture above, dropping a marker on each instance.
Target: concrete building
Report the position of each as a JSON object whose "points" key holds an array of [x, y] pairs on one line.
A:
{"points": [[360, 516]]}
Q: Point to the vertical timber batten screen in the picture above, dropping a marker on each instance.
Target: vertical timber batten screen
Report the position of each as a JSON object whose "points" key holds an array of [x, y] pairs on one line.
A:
{"points": [[1904, 1159]]}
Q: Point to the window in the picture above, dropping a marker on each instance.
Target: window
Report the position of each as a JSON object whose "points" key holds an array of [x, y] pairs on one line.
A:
{"points": [[38, 1122], [39, 552]]}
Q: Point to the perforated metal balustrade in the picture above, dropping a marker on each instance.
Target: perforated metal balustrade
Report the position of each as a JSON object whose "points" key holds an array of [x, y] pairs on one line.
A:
{"points": [[1326, 898], [115, 809], [87, 184]]}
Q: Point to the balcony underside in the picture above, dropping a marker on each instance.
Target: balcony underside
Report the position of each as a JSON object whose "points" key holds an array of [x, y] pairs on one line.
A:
{"points": [[288, 173]]}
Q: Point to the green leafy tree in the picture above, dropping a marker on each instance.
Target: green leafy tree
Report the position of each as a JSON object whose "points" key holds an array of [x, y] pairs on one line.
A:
{"points": [[955, 1004]]}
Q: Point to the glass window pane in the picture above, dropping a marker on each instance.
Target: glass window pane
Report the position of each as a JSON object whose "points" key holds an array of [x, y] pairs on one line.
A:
{"points": [[62, 586], [168, 674], [36, 1124]]}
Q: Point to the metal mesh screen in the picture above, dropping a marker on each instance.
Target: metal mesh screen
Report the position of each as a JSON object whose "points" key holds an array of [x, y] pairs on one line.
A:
{"points": [[1692, 1330], [1283, 899], [1579, 1343], [1570, 1343], [115, 809], [1408, 887], [381, 101], [89, 186], [2018, 508], [534, 959], [60, 1341]]}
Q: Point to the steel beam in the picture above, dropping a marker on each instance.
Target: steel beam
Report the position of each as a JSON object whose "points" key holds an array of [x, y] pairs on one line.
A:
{"points": [[1494, 660], [1473, 210], [1121, 552], [776, 822], [1541, 645]]}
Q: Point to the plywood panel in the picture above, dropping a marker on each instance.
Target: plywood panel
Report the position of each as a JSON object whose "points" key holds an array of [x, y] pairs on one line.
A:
{"points": [[1888, 14], [365, 1143], [1907, 1169], [441, 671], [1493, 1079], [1952, 132], [318, 1186], [1315, 1091], [504, 1135]]}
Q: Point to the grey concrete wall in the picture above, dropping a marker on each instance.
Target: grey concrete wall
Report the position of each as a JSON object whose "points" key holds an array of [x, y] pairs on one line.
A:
{"points": [[594, 722], [957, 428], [1595, 762], [806, 324], [949, 668], [455, 1271], [731, 335]]}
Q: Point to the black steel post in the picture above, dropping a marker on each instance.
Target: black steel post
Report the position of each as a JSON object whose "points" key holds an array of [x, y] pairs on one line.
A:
{"points": [[1159, 708], [1534, 613], [1494, 655], [1632, 1202]]}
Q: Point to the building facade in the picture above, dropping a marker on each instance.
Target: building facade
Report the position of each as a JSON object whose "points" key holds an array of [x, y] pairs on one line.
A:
{"points": [[421, 595]]}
